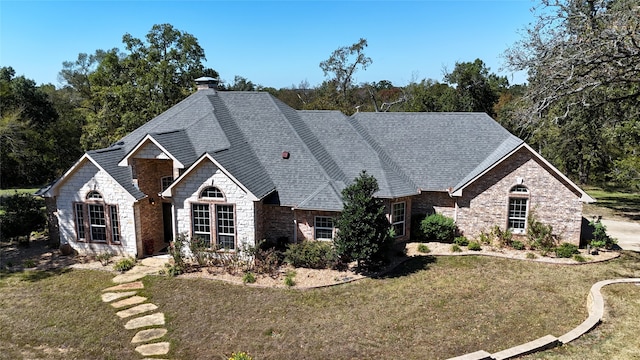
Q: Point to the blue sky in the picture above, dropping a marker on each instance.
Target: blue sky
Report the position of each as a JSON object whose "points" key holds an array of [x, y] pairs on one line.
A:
{"points": [[276, 44]]}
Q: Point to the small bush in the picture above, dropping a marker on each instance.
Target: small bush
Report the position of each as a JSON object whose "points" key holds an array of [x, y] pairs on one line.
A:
{"points": [[518, 245], [531, 256], [461, 241], [566, 250], [310, 254], [423, 248], [29, 263], [240, 356], [502, 237], [600, 236], [105, 258], [438, 227], [455, 248], [474, 246], [540, 235], [288, 278], [579, 258], [248, 278], [125, 264]]}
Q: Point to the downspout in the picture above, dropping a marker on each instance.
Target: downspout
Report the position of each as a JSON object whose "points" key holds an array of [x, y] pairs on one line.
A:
{"points": [[295, 227]]}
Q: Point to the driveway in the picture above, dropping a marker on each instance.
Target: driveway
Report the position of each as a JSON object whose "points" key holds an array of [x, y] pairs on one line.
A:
{"points": [[627, 233]]}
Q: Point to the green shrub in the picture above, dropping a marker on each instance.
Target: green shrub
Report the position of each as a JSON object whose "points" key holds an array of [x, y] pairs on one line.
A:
{"points": [[600, 237], [105, 258], [540, 235], [579, 258], [423, 248], [248, 278], [438, 227], [20, 214], [455, 248], [501, 237], [474, 246], [518, 245], [311, 254], [531, 256], [461, 241], [125, 264], [288, 278], [29, 263], [566, 250], [240, 356]]}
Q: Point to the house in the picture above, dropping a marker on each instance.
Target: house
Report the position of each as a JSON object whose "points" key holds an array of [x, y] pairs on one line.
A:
{"points": [[237, 167]]}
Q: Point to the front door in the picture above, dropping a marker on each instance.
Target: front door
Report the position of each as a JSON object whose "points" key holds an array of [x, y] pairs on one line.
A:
{"points": [[167, 221]]}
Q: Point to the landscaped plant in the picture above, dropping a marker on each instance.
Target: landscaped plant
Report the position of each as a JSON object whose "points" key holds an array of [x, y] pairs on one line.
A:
{"points": [[531, 256], [540, 235], [455, 248], [311, 254], [105, 258], [266, 258], [500, 237], [461, 240], [363, 228], [579, 258], [288, 278], [248, 278], [600, 237], [124, 264], [176, 251], [438, 227], [566, 250], [517, 244], [240, 356], [423, 248], [200, 251], [474, 246]]}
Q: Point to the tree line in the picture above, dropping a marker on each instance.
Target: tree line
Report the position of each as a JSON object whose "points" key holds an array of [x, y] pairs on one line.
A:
{"points": [[579, 108]]}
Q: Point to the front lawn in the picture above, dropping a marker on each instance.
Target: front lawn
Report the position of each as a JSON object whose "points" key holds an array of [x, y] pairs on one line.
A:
{"points": [[432, 307], [613, 204]]}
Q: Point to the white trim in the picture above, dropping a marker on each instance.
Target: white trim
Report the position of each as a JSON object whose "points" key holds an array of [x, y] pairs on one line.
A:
{"points": [[169, 191], [52, 191], [404, 217], [584, 196], [125, 160], [316, 227]]}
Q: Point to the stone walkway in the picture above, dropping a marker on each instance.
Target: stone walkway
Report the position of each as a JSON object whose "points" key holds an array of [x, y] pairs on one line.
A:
{"points": [[136, 311]]}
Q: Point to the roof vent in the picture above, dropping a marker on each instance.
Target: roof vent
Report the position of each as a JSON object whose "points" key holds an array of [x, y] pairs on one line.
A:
{"points": [[206, 82], [285, 155]]}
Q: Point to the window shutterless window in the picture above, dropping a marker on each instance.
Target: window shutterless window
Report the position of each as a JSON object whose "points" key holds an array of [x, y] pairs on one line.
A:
{"points": [[96, 221], [398, 214], [518, 206], [323, 228], [201, 221], [165, 182], [222, 227]]}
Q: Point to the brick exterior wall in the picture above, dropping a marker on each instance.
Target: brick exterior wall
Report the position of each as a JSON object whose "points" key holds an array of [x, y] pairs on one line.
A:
{"points": [[485, 202], [150, 171], [85, 178], [306, 222], [188, 190], [274, 222]]}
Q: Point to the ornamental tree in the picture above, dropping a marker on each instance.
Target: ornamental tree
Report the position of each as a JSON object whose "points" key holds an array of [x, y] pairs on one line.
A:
{"points": [[363, 229]]}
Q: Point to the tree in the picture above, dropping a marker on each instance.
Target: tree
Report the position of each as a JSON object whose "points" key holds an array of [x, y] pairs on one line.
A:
{"points": [[477, 89], [363, 229], [119, 91], [582, 57], [342, 65]]}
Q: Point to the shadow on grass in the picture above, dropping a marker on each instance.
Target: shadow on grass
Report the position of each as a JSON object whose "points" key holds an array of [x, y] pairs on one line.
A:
{"points": [[408, 267], [37, 275]]}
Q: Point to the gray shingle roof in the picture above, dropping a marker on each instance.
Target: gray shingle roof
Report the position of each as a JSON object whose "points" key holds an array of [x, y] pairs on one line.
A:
{"points": [[247, 132]]}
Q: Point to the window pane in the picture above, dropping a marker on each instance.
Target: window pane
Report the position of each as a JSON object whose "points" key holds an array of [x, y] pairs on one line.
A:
{"points": [[80, 222], [166, 182], [397, 218], [115, 224], [212, 192], [98, 223], [226, 226], [323, 228], [517, 214], [200, 219]]}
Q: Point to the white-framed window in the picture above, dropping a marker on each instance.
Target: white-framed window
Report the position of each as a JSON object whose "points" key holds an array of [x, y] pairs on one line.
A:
{"points": [[323, 228], [212, 220], [518, 209], [96, 221], [165, 182], [398, 215]]}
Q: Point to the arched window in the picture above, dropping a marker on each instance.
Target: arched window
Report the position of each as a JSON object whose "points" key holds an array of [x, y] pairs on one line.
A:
{"points": [[518, 209], [96, 221], [211, 192]]}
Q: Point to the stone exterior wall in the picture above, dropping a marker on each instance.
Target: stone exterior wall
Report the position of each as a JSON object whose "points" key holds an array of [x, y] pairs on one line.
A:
{"points": [[85, 178], [150, 171], [188, 191], [485, 202]]}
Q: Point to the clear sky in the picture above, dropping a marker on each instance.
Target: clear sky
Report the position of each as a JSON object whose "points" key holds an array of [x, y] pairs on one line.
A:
{"points": [[277, 44]]}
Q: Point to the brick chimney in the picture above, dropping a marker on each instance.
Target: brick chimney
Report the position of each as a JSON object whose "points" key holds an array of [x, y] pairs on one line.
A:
{"points": [[206, 83]]}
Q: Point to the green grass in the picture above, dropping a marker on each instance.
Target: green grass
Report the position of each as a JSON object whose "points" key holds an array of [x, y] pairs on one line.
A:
{"points": [[440, 306], [4, 192], [614, 203]]}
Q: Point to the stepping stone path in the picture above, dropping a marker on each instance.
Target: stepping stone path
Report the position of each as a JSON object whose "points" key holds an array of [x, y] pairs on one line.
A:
{"points": [[135, 309]]}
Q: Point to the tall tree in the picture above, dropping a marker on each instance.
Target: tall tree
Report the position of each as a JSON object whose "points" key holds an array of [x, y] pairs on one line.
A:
{"points": [[477, 89], [583, 60], [121, 90]]}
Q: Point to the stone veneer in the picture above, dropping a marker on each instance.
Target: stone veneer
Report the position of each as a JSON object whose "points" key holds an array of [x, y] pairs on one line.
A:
{"points": [[85, 178], [188, 191], [485, 202]]}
